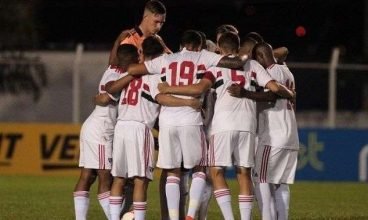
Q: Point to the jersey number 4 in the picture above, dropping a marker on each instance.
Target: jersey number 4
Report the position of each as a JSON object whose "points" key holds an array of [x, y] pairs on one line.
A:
{"points": [[132, 92]]}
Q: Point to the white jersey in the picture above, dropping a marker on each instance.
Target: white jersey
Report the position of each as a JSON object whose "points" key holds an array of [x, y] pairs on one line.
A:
{"points": [[104, 117], [231, 113], [137, 104], [181, 68], [277, 125]]}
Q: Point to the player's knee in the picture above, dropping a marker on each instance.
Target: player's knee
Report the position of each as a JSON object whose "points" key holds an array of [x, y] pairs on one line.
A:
{"points": [[216, 172]]}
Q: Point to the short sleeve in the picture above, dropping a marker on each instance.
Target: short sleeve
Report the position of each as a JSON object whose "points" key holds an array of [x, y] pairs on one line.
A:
{"points": [[155, 66], [210, 59], [153, 82]]}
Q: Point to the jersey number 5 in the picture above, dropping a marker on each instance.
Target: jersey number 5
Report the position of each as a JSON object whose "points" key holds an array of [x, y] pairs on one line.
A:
{"points": [[238, 78]]}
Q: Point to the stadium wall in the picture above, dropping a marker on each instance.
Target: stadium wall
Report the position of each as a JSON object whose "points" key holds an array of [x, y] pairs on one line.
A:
{"points": [[53, 149]]}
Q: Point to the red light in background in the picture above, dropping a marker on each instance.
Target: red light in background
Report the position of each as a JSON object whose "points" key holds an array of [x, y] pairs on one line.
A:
{"points": [[300, 31]]}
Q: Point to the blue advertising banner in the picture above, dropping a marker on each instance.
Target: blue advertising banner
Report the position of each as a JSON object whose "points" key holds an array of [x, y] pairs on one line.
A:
{"points": [[331, 155]]}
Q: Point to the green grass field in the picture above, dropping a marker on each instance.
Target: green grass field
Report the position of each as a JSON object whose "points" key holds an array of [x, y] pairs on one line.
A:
{"points": [[30, 197]]}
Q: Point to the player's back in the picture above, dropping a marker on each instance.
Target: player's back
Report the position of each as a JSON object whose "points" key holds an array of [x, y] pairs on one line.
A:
{"points": [[278, 126], [182, 68], [137, 104], [232, 113], [109, 111]]}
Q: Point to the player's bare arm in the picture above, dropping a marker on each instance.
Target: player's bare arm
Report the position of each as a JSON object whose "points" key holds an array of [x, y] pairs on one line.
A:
{"points": [[137, 69], [114, 87], [281, 54], [189, 90], [280, 90], [171, 101], [237, 91], [102, 100], [232, 62], [113, 60]]}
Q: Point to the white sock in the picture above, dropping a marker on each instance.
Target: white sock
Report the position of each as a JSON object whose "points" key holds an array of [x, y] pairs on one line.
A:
{"points": [[103, 198], [196, 191], [139, 210], [173, 196], [282, 197], [245, 206], [205, 201], [116, 204], [223, 199], [81, 204], [268, 201]]}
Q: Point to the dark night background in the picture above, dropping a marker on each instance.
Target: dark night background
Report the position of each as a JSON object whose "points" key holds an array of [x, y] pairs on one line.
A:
{"points": [[61, 24]]}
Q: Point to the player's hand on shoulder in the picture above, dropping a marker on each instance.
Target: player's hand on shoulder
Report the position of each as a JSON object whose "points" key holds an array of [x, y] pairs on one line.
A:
{"points": [[124, 34], [163, 87], [236, 90]]}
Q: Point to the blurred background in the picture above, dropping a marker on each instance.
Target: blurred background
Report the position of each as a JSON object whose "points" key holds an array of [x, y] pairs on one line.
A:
{"points": [[54, 52], [310, 29]]}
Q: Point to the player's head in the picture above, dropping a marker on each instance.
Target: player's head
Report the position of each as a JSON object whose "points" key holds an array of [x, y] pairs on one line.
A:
{"points": [[203, 40], [154, 16], [191, 40], [152, 48], [247, 47], [263, 53], [127, 54], [255, 36], [225, 28], [229, 43]]}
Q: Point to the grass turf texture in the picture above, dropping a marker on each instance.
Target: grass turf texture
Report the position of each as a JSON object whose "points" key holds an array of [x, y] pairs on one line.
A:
{"points": [[30, 197]]}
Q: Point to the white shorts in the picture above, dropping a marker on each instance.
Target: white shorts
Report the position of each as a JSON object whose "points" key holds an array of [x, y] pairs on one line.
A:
{"points": [[95, 155], [275, 165], [133, 150], [231, 148], [179, 144]]}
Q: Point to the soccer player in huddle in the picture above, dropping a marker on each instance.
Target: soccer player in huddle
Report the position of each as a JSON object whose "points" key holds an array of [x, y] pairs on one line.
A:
{"points": [[154, 17], [96, 139], [133, 141], [278, 144], [234, 139]]}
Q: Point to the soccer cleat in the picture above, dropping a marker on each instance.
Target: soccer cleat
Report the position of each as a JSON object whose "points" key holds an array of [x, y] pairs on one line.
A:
{"points": [[189, 218]]}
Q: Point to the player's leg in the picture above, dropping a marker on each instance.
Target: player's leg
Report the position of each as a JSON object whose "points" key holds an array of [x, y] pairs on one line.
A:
{"points": [[245, 192], [244, 145], [282, 198], [162, 190], [104, 185], [287, 163], [140, 197], [220, 156], [118, 171], [194, 147], [206, 197], [81, 193], [172, 189], [169, 159], [184, 191]]}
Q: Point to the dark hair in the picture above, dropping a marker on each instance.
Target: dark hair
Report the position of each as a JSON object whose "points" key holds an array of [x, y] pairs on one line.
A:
{"points": [[226, 28], [203, 39], [191, 37], [127, 52], [255, 36], [229, 41], [152, 47], [156, 7]]}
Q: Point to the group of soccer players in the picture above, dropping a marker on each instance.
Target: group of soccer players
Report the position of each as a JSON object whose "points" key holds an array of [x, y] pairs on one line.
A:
{"points": [[247, 94]]}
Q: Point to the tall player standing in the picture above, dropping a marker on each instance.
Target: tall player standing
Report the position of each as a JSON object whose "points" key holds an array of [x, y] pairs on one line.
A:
{"points": [[154, 17], [276, 156], [96, 138]]}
